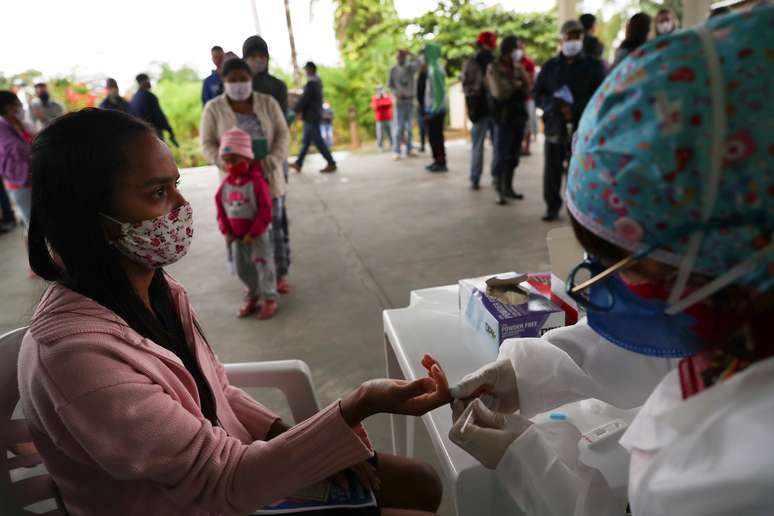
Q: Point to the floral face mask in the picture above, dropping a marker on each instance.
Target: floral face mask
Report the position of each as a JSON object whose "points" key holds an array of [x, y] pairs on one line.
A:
{"points": [[156, 242]]}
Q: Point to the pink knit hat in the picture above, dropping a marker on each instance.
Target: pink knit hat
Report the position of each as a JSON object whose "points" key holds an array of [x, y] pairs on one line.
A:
{"points": [[236, 141]]}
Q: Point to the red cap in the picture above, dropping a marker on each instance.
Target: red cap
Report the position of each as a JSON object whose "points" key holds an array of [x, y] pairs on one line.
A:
{"points": [[488, 39]]}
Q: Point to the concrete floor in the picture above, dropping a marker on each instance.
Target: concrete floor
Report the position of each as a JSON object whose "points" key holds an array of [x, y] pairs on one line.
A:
{"points": [[361, 239]]}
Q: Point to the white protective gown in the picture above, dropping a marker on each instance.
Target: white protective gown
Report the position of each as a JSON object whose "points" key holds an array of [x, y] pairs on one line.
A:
{"points": [[705, 456]]}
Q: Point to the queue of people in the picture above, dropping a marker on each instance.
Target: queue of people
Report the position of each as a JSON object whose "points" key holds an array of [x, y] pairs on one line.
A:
{"points": [[152, 426]]}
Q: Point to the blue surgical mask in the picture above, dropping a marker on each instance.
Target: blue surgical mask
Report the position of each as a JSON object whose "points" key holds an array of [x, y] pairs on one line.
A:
{"points": [[632, 322]]}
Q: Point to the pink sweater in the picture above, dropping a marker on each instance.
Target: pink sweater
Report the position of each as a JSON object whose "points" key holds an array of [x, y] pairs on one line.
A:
{"points": [[117, 421]]}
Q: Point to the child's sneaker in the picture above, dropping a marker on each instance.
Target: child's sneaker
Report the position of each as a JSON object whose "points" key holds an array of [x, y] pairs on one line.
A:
{"points": [[283, 287], [248, 308], [268, 309]]}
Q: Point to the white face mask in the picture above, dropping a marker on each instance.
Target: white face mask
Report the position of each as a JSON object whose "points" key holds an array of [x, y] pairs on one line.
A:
{"points": [[665, 27], [157, 242], [517, 54], [238, 90], [572, 47], [257, 65]]}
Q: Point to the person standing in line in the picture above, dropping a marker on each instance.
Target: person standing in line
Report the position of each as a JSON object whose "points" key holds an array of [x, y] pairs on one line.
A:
{"points": [[509, 87], [326, 124], [402, 84], [531, 128], [309, 106], [563, 87], [244, 218], [476, 93], [381, 103], [14, 160], [637, 30], [260, 116], [592, 47], [44, 109], [145, 106], [421, 122], [113, 99], [665, 22], [436, 103], [212, 86], [255, 52]]}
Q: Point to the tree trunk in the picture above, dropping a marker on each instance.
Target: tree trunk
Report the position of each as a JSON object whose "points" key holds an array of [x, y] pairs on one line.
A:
{"points": [[293, 54]]}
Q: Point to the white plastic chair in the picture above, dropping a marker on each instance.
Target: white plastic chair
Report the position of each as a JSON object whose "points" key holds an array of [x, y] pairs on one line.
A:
{"points": [[35, 494]]}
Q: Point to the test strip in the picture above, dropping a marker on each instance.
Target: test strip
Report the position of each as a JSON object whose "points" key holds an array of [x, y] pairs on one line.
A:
{"points": [[605, 432]]}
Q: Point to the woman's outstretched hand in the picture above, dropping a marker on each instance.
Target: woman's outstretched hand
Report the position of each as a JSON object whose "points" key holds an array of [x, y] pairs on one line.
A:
{"points": [[392, 396]]}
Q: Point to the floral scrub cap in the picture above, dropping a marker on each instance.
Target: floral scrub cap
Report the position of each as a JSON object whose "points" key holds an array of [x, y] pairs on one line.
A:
{"points": [[675, 151]]}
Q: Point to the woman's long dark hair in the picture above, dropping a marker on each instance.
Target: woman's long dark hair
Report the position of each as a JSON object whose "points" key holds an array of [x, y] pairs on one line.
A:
{"points": [[637, 30], [75, 165]]}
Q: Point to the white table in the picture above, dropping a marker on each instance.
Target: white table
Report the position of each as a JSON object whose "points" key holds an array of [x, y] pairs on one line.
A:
{"points": [[432, 324]]}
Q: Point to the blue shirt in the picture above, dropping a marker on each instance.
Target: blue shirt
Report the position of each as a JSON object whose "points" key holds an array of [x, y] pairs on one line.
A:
{"points": [[212, 86]]}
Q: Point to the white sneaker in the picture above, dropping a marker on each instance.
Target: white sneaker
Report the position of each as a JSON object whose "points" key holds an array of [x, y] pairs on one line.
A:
{"points": [[396, 157]]}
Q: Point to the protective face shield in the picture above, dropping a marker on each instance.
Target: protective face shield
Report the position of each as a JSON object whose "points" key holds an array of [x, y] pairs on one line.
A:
{"points": [[572, 47]]}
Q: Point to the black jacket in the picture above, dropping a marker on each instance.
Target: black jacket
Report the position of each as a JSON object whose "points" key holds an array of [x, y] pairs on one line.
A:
{"points": [[270, 85], [311, 101], [592, 47], [582, 76]]}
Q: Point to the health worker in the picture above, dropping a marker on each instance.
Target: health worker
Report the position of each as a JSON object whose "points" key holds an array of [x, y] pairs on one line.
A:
{"points": [[671, 193]]}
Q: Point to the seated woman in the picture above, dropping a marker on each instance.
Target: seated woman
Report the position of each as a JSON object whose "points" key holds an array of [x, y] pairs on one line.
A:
{"points": [[128, 405]]}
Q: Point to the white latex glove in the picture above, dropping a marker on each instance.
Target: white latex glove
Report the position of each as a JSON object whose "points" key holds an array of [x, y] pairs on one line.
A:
{"points": [[497, 379], [486, 435]]}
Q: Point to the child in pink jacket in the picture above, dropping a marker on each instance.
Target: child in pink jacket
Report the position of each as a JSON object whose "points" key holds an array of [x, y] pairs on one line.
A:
{"points": [[244, 218]]}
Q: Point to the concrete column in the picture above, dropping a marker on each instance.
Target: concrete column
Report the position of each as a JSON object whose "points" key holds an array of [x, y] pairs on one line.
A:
{"points": [[695, 11], [566, 10]]}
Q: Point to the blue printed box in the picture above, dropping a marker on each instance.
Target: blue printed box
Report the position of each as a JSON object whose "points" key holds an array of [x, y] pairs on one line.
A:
{"points": [[500, 321]]}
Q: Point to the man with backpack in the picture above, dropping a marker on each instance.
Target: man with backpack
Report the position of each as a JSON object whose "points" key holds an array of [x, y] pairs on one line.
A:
{"points": [[476, 99]]}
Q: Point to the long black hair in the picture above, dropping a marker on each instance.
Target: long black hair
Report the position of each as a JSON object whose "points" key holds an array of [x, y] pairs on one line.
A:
{"points": [[75, 165], [637, 30]]}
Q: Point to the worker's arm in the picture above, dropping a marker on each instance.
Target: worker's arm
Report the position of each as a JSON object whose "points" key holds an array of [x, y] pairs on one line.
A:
{"points": [[574, 363]]}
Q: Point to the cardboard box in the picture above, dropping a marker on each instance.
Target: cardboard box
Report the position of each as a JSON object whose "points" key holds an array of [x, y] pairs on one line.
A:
{"points": [[499, 321], [560, 298]]}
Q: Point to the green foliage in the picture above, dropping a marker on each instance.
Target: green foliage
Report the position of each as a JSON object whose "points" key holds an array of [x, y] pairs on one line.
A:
{"points": [[179, 93], [455, 24]]}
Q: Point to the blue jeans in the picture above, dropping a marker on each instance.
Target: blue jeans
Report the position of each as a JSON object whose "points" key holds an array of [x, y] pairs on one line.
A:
{"points": [[326, 130], [23, 199], [311, 136], [404, 117], [383, 129], [478, 134]]}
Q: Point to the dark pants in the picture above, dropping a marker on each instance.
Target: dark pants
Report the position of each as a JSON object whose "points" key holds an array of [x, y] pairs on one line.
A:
{"points": [[311, 136], [507, 146], [422, 127], [555, 152], [279, 236], [435, 135], [8, 216]]}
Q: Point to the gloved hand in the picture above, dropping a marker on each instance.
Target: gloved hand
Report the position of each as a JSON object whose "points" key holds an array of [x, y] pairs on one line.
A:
{"points": [[497, 379], [484, 434]]}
